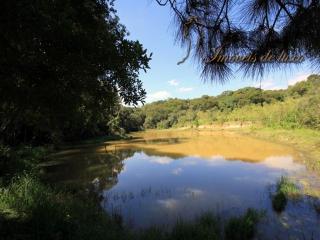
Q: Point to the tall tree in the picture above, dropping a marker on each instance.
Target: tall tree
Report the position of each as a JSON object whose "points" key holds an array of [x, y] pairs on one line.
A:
{"points": [[64, 66], [247, 28]]}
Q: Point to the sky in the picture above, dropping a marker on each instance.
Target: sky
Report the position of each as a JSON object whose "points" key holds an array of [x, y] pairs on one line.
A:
{"points": [[152, 25]]}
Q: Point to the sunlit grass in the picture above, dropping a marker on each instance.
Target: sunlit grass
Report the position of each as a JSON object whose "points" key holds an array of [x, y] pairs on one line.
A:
{"points": [[287, 187]]}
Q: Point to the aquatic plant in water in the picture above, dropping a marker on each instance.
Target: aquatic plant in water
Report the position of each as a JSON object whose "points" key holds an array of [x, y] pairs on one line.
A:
{"points": [[285, 189]]}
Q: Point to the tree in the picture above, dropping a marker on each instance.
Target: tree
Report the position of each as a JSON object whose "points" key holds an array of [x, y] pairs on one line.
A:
{"points": [[64, 66], [131, 119], [247, 30]]}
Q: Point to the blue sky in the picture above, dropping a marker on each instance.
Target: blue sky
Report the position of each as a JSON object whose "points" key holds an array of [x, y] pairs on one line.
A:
{"points": [[152, 26]]}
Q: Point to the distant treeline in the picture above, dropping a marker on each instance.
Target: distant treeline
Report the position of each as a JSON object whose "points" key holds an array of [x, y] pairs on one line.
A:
{"points": [[295, 107]]}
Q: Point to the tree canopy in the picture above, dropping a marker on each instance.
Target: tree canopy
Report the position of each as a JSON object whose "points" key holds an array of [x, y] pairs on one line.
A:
{"points": [[247, 28], [294, 107], [65, 65]]}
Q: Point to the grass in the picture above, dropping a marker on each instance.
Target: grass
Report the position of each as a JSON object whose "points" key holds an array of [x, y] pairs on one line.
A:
{"points": [[285, 189], [18, 160], [243, 227], [30, 209], [205, 227]]}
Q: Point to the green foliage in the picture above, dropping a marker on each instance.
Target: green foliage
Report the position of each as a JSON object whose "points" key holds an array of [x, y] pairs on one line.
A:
{"points": [[32, 210], [65, 65], [296, 107], [309, 112], [131, 119], [244, 227], [216, 38], [284, 190], [287, 187], [14, 161]]}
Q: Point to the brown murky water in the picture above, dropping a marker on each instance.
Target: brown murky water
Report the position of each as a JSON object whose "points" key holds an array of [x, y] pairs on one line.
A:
{"points": [[156, 177]]}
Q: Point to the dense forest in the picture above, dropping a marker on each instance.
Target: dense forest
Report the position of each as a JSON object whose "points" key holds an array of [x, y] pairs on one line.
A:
{"points": [[298, 106], [65, 68]]}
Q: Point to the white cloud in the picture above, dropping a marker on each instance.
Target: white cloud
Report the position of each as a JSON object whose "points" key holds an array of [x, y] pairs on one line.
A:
{"points": [[194, 192], [217, 157], [189, 162], [177, 171], [282, 162], [216, 160], [185, 89], [169, 203], [161, 160], [173, 82], [298, 78], [269, 84], [272, 84], [156, 96]]}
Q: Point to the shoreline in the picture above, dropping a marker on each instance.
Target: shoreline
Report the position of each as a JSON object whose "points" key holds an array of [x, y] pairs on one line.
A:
{"points": [[306, 141]]}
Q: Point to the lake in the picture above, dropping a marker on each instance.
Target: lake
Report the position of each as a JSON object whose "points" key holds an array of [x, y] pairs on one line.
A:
{"points": [[159, 177]]}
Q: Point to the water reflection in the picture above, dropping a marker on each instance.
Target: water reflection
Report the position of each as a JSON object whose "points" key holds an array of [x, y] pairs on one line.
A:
{"points": [[163, 186], [205, 144], [157, 177], [81, 169]]}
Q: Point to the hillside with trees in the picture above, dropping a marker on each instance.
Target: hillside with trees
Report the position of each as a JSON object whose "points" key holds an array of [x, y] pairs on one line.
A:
{"points": [[295, 107]]}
